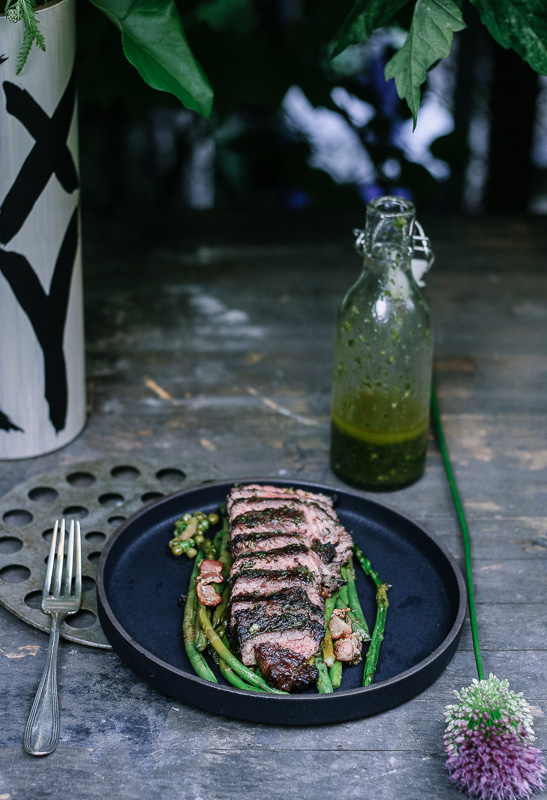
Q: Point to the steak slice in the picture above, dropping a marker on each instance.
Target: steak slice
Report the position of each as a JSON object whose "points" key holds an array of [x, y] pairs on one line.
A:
{"points": [[285, 559], [293, 515], [295, 632], [261, 541], [257, 587], [293, 598], [256, 490], [284, 668]]}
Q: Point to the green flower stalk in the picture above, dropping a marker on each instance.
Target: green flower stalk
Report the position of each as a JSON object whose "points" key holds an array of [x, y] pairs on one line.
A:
{"points": [[488, 736]]}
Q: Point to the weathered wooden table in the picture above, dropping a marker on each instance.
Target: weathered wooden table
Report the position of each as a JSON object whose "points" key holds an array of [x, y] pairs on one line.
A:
{"points": [[209, 350]]}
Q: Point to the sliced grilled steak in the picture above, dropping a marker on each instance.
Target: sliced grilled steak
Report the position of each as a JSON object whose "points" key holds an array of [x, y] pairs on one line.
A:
{"points": [[284, 668], [256, 490], [261, 541], [290, 607], [284, 559], [287, 547], [255, 587], [314, 521]]}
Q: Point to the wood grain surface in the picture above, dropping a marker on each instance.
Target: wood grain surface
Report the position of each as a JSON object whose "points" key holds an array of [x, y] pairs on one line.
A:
{"points": [[209, 340]]}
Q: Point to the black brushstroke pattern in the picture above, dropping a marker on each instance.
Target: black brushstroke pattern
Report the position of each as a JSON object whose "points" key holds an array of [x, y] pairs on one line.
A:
{"points": [[7, 425], [3, 58], [50, 154], [47, 314]]}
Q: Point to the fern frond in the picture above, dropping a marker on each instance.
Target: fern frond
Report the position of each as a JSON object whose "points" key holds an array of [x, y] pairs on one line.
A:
{"points": [[23, 10]]}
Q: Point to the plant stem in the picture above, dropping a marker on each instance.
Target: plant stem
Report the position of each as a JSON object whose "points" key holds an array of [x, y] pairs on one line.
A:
{"points": [[445, 455]]}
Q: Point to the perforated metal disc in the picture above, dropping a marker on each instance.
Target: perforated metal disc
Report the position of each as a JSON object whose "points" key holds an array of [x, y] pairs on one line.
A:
{"points": [[101, 494]]}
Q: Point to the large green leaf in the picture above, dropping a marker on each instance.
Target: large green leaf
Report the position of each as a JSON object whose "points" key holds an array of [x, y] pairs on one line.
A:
{"points": [[434, 23], [154, 42], [520, 25], [363, 18]]}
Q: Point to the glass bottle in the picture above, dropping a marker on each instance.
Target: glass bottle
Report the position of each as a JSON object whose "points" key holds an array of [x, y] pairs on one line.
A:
{"points": [[383, 356]]}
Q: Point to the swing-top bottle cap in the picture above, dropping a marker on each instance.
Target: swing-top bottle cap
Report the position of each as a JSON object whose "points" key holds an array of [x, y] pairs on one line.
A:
{"points": [[392, 231]]}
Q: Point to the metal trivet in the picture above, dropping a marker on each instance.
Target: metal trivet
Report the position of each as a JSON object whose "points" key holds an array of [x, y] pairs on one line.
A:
{"points": [[101, 494]]}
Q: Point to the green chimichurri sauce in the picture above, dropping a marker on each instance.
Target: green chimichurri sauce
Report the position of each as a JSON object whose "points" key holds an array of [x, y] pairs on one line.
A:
{"points": [[376, 458]]}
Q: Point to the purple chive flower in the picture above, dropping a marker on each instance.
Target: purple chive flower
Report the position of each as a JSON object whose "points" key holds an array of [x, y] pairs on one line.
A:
{"points": [[488, 741]]}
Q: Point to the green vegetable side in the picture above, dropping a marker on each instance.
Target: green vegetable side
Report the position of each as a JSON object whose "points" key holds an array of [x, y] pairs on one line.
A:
{"points": [[204, 625]]}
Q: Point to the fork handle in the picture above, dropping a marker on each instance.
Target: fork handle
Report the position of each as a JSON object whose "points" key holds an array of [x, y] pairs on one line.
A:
{"points": [[42, 729]]}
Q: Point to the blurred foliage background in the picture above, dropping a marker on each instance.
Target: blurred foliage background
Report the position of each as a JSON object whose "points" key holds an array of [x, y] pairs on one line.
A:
{"points": [[292, 130]]}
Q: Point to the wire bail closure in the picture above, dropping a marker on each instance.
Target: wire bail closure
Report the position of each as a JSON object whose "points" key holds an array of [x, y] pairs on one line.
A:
{"points": [[421, 246]]}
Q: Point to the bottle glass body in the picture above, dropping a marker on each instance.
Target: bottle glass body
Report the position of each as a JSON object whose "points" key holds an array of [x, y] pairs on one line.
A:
{"points": [[383, 358]]}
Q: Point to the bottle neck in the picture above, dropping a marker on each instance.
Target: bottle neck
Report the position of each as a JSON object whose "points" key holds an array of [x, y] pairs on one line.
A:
{"points": [[387, 264], [389, 227]]}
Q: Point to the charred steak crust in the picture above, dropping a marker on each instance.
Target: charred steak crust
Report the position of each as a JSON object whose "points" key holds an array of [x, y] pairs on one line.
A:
{"points": [[284, 668], [288, 550], [281, 514], [257, 537]]}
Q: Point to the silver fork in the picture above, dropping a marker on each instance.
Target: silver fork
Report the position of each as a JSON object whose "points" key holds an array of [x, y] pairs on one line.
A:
{"points": [[62, 595]]}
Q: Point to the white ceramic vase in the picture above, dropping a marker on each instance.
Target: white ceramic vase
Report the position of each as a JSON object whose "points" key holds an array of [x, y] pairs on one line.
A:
{"points": [[42, 373]]}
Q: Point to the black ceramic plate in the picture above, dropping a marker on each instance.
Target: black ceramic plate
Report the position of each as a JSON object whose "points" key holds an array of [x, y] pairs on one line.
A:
{"points": [[140, 585]]}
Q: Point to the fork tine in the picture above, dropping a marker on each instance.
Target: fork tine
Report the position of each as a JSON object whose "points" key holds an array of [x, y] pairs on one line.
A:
{"points": [[67, 584], [51, 559], [60, 559], [78, 575]]}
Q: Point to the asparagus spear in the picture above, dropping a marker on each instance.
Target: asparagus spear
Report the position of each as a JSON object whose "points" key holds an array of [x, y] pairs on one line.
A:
{"points": [[224, 555], [198, 662], [232, 676], [336, 600], [359, 622], [219, 614], [377, 634], [379, 626], [200, 640], [335, 674], [324, 685], [327, 648]]}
